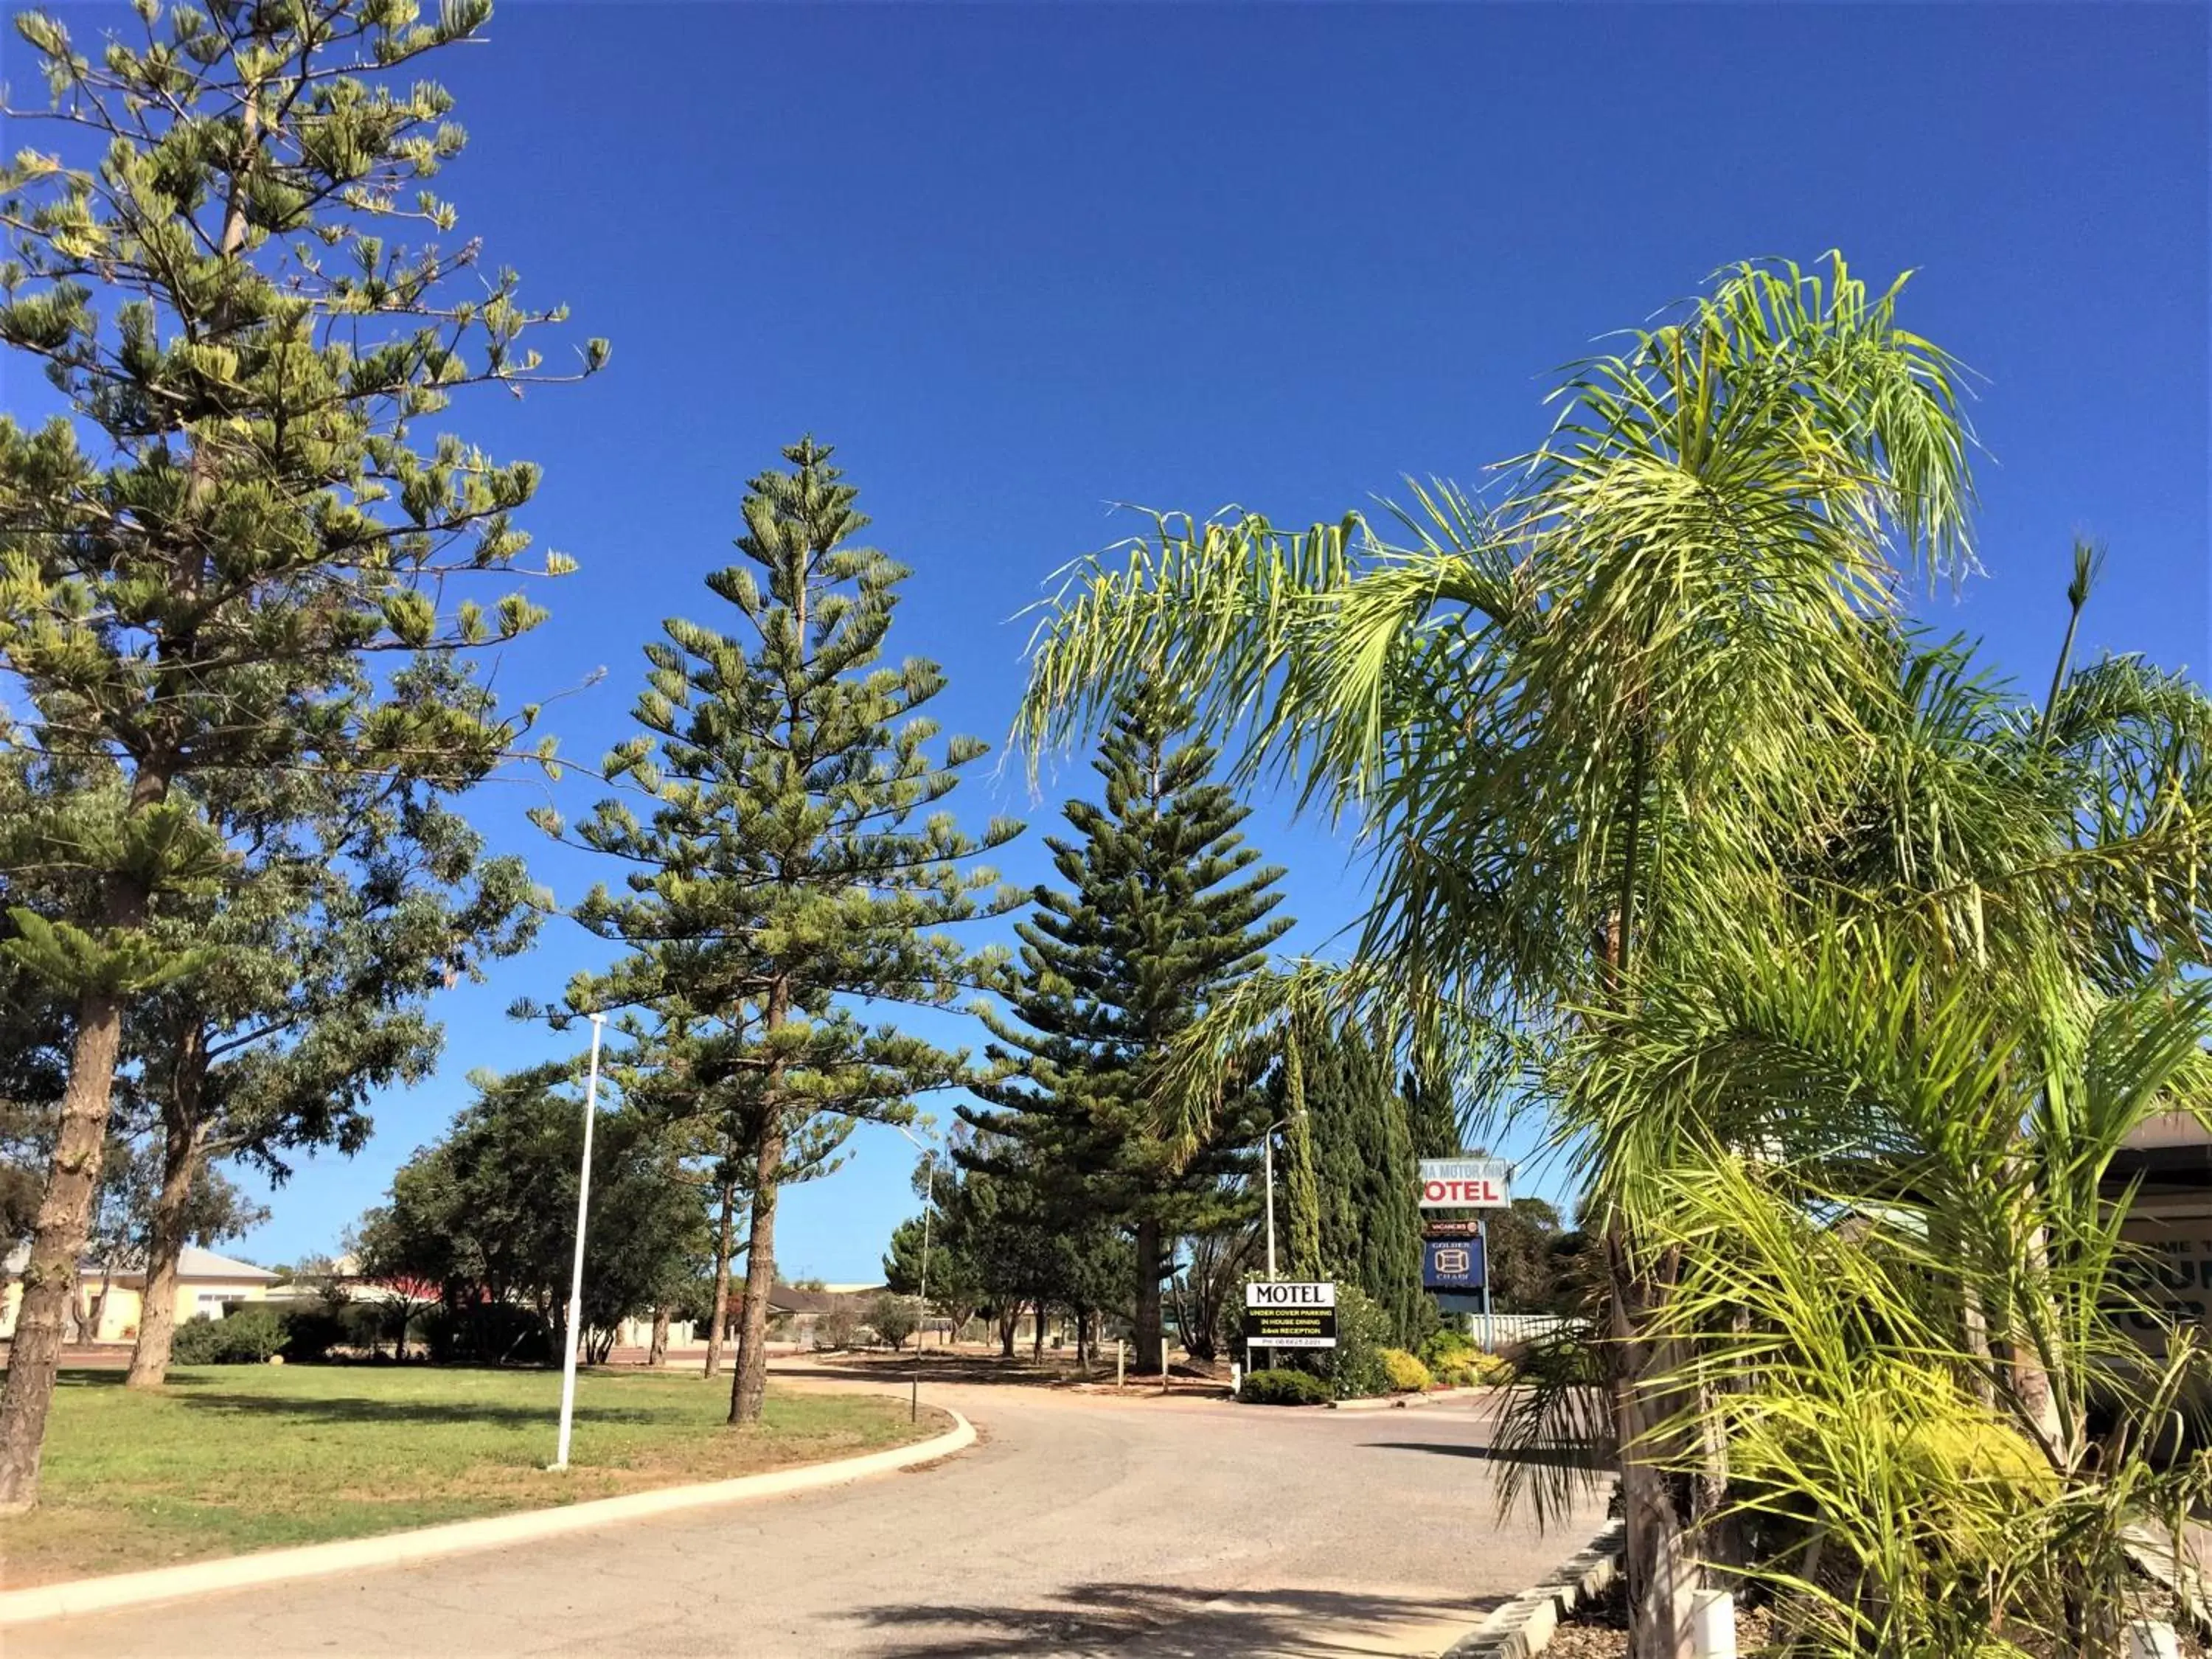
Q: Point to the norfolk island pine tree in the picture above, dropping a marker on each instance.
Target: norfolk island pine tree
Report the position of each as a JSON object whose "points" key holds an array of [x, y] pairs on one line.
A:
{"points": [[777, 877], [193, 592], [1163, 911]]}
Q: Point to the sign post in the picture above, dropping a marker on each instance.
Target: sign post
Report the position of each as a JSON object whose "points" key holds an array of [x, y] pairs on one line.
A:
{"points": [[1462, 1183]]}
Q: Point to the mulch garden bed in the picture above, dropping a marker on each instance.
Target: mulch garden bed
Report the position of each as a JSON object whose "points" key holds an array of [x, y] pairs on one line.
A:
{"points": [[1600, 1630]]}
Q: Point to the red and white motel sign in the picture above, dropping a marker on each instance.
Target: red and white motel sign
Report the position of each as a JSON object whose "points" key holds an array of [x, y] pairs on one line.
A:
{"points": [[1466, 1183]]}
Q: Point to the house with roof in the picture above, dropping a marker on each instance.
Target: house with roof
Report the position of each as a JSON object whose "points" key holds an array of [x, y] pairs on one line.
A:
{"points": [[206, 1283], [793, 1314]]}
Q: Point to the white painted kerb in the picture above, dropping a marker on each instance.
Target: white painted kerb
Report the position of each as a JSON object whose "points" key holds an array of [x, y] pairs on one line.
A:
{"points": [[123, 1589]]}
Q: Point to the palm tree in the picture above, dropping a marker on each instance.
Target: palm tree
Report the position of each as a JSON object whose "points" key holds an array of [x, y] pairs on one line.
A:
{"points": [[1652, 705]]}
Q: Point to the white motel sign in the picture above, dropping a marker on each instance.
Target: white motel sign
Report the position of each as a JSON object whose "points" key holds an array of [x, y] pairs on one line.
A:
{"points": [[1466, 1183]]}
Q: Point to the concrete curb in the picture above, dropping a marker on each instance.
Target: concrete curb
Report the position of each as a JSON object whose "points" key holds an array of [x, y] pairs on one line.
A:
{"points": [[1525, 1626], [83, 1595]]}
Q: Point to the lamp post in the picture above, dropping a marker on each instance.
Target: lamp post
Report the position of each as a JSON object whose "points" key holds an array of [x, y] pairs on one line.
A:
{"points": [[576, 1272], [1267, 1175], [921, 1312]]}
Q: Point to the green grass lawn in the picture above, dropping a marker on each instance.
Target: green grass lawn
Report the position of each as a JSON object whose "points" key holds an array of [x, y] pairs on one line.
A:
{"points": [[232, 1458]]}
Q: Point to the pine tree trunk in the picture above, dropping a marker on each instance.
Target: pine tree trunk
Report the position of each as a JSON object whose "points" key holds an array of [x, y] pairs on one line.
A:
{"points": [[182, 1147], [99, 1315], [656, 1353], [56, 1242], [749, 1386], [719, 1322], [157, 1313], [1148, 1327]]}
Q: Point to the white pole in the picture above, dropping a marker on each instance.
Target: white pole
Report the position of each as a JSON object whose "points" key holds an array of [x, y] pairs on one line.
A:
{"points": [[576, 1272], [1268, 1156], [1712, 1624], [1489, 1330], [922, 1316]]}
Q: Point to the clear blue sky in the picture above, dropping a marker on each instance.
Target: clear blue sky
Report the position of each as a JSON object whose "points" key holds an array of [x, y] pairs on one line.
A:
{"points": [[1018, 263]]}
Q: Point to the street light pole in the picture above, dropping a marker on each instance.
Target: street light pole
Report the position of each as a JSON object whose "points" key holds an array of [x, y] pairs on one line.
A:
{"points": [[1267, 1158], [576, 1272], [921, 1313], [1267, 1175]]}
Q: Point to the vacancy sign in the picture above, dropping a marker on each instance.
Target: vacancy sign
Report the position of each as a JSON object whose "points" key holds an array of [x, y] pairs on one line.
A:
{"points": [[1465, 1183]]}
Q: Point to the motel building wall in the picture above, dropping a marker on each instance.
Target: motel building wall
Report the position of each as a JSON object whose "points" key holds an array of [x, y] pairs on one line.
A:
{"points": [[207, 1284]]}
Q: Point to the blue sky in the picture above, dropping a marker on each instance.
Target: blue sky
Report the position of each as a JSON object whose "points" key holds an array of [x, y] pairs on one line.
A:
{"points": [[1018, 263]]}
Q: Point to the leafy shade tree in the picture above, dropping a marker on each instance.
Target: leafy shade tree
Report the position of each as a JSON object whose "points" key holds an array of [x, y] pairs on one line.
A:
{"points": [[781, 873], [238, 504], [894, 1316], [1164, 911], [713, 1122], [1368, 1224], [928, 1257], [488, 1213], [211, 1210], [1530, 1257], [359, 902], [1208, 1289]]}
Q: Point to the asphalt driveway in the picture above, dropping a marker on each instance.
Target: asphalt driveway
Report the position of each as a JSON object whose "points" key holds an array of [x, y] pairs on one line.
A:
{"points": [[1082, 1526]]}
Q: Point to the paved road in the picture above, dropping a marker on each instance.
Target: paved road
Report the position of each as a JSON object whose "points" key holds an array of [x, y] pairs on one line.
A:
{"points": [[1083, 1526]]}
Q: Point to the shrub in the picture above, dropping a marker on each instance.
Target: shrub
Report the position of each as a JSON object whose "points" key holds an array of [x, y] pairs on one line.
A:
{"points": [[1406, 1374], [1283, 1388], [838, 1327], [1476, 1371], [1445, 1348], [367, 1325], [891, 1317], [311, 1331], [248, 1337], [1354, 1367], [488, 1333]]}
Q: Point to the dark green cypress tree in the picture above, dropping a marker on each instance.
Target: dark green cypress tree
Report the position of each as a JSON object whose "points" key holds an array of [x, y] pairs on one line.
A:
{"points": [[778, 877], [1165, 909], [1430, 1116], [1368, 1221]]}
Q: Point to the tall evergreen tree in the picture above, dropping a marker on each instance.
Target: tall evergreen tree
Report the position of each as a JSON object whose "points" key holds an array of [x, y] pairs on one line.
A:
{"points": [[779, 871], [671, 1069], [1368, 1221], [240, 501], [356, 899], [1163, 910]]}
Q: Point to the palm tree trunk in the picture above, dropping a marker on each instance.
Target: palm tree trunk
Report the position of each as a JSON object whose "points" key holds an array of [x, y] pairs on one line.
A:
{"points": [[1662, 1567]]}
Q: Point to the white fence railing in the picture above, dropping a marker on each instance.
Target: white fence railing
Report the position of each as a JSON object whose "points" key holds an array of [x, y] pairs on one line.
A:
{"points": [[1494, 1332]]}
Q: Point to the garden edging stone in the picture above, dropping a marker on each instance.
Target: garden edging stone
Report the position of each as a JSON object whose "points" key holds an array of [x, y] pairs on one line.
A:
{"points": [[1524, 1626]]}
